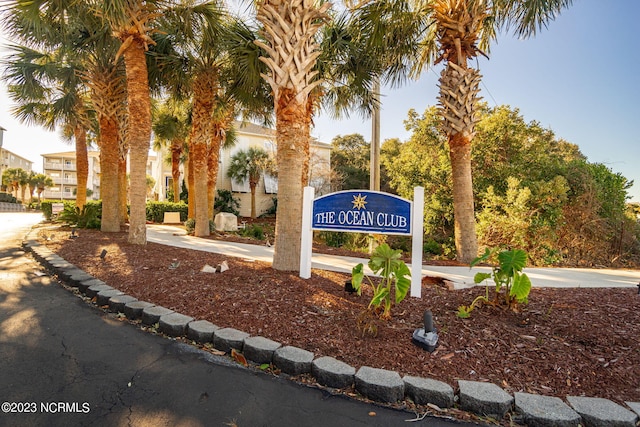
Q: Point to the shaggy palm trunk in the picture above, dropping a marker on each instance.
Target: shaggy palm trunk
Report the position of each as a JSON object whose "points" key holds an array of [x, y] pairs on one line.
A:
{"points": [[463, 204], [176, 151], [109, 159], [292, 134], [213, 157], [139, 131], [459, 87], [200, 132], [124, 188], [82, 165], [191, 212]]}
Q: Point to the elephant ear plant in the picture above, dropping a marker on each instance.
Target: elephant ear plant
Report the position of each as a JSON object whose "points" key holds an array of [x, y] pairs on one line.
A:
{"points": [[507, 274], [393, 273]]}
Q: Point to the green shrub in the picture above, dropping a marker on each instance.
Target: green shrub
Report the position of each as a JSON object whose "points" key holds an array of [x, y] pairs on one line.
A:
{"points": [[254, 231], [156, 210], [432, 247], [87, 217], [225, 202], [333, 238], [7, 198]]}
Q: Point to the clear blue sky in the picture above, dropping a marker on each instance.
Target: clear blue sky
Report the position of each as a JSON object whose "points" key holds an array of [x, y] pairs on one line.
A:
{"points": [[579, 77]]}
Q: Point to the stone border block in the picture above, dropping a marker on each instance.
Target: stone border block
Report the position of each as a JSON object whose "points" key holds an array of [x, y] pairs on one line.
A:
{"points": [[331, 372], [133, 310], [379, 384], [86, 284], [599, 412], [260, 349], [293, 360], [75, 279], [103, 297], [484, 399], [174, 324], [151, 315], [426, 390], [201, 331], [117, 303], [94, 290], [635, 407], [545, 411], [229, 338]]}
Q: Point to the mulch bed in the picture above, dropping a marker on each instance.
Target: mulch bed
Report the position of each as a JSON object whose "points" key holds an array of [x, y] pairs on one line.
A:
{"points": [[564, 342]]}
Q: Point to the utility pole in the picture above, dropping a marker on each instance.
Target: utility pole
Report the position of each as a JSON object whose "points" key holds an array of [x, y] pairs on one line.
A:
{"points": [[374, 175]]}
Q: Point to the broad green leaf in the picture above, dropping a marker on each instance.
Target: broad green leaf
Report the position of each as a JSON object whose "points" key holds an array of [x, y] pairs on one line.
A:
{"points": [[379, 296], [357, 274], [481, 277], [521, 287], [403, 284], [512, 261], [481, 258]]}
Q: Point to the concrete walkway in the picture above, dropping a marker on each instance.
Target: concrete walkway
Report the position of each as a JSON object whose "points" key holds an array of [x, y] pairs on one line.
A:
{"points": [[461, 277]]}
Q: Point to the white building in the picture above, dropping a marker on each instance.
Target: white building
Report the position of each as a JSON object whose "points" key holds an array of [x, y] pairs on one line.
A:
{"points": [[9, 159], [61, 167], [251, 135]]}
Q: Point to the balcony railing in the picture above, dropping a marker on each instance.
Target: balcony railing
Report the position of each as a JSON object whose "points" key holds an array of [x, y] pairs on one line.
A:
{"points": [[58, 180], [49, 194], [60, 166]]}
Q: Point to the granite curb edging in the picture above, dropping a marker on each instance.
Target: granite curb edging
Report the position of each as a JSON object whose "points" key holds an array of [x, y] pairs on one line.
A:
{"points": [[481, 398]]}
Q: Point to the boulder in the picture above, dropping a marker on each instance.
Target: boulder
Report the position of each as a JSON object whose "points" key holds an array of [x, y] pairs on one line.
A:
{"points": [[225, 221]]}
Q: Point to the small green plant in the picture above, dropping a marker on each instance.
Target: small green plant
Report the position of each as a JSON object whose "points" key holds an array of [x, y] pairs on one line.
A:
{"points": [[507, 274], [87, 217], [253, 231], [385, 262]]}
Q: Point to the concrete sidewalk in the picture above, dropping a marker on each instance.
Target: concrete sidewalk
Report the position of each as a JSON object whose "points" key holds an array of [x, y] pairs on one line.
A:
{"points": [[461, 277]]}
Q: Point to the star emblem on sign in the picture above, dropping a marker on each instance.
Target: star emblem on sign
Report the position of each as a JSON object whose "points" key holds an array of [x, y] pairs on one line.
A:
{"points": [[359, 201]]}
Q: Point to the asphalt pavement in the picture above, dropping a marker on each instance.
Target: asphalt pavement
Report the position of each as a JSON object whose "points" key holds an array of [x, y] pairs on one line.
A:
{"points": [[66, 363]]}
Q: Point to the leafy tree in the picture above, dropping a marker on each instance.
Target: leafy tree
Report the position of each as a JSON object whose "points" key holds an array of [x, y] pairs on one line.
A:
{"points": [[250, 164], [350, 159], [455, 32]]}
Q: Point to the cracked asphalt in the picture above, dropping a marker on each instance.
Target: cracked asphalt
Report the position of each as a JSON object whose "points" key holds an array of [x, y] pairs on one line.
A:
{"points": [[66, 363]]}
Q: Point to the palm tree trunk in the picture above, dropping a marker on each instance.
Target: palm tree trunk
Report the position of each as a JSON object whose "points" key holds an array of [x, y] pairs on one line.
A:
{"points": [[253, 186], [139, 132], [124, 190], [203, 90], [463, 205], [191, 183], [292, 134], [82, 164], [212, 174], [459, 87], [109, 187], [176, 151]]}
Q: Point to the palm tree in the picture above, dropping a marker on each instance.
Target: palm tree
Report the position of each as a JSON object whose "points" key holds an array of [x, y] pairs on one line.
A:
{"points": [[38, 182], [292, 51], [48, 91], [132, 23], [13, 177], [455, 32], [170, 127], [250, 164]]}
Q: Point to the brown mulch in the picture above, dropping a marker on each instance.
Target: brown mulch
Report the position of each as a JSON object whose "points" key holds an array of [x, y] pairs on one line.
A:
{"points": [[564, 342]]}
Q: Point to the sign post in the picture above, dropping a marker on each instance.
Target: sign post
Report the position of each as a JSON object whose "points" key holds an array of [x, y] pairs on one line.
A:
{"points": [[367, 212]]}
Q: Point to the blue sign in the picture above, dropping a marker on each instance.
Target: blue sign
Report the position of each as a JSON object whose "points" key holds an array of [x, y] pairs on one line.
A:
{"points": [[362, 211]]}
